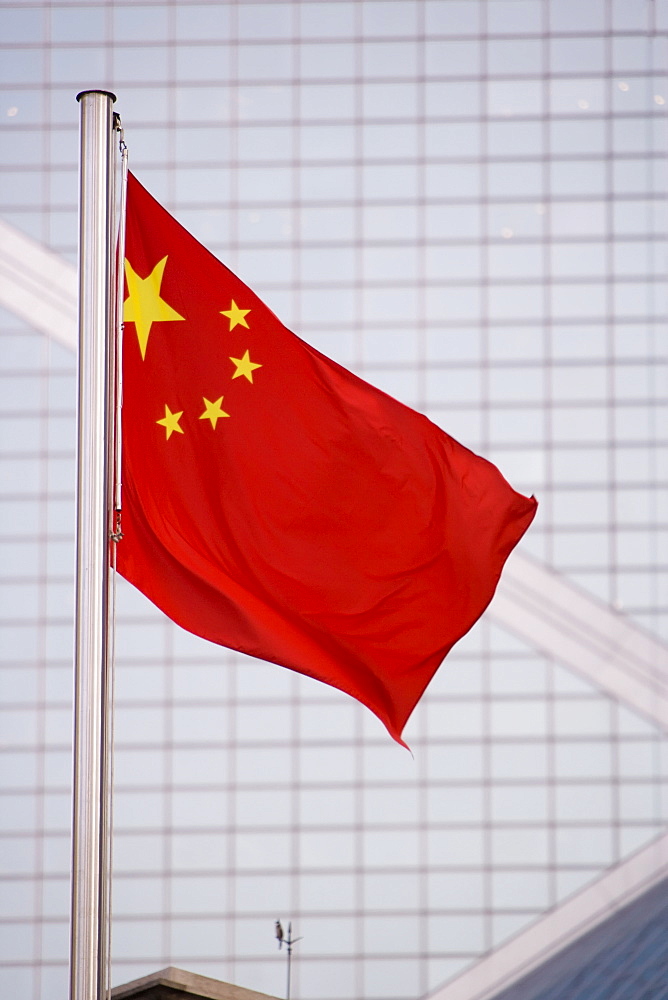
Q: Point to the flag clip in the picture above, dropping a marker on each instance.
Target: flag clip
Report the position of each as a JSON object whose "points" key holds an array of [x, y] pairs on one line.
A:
{"points": [[116, 534]]}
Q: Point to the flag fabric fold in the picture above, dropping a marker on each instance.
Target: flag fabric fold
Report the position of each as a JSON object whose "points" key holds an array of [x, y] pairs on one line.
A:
{"points": [[275, 503]]}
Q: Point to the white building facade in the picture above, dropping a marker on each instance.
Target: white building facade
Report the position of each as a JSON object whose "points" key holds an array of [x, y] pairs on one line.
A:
{"points": [[463, 201]]}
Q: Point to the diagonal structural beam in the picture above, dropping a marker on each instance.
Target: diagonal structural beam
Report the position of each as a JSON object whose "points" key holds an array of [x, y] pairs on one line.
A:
{"points": [[38, 285], [534, 602], [561, 926], [553, 615]]}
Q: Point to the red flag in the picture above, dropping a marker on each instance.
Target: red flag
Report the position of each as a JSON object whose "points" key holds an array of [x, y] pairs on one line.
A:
{"points": [[277, 504]]}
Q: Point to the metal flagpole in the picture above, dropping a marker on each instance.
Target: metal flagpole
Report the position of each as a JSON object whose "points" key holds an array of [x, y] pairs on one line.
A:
{"points": [[90, 831]]}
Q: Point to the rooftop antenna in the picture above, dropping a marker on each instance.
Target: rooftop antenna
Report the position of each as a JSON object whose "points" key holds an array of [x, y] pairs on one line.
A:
{"points": [[289, 942]]}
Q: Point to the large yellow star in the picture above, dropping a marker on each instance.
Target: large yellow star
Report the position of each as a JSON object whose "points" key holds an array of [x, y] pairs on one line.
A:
{"points": [[245, 367], [236, 316], [143, 306], [170, 422], [213, 411]]}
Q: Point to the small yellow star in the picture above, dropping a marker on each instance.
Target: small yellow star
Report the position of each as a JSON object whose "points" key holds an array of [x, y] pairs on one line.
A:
{"points": [[213, 411], [236, 316], [170, 422], [144, 306], [245, 367]]}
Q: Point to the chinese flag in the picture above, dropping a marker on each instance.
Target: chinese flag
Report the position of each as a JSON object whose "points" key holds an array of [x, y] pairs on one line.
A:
{"points": [[277, 504]]}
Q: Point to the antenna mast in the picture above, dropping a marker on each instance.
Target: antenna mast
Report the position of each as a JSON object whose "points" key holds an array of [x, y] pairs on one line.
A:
{"points": [[289, 942]]}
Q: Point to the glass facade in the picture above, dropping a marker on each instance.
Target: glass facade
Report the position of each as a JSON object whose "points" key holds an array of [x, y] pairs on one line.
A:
{"points": [[626, 956], [463, 201]]}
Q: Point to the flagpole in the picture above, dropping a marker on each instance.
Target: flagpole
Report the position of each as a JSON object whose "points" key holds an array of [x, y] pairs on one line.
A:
{"points": [[90, 828]]}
